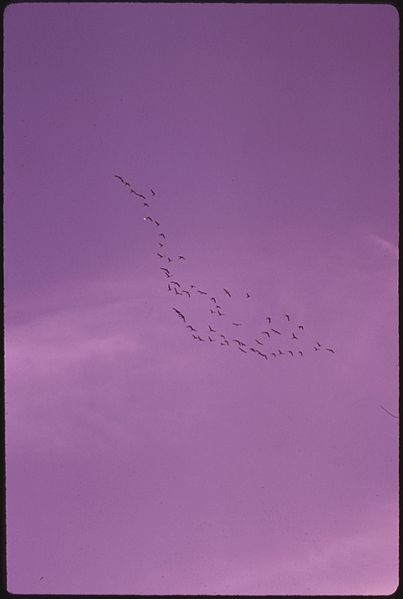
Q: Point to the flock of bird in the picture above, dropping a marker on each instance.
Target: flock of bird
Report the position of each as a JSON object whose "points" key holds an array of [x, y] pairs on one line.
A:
{"points": [[263, 344]]}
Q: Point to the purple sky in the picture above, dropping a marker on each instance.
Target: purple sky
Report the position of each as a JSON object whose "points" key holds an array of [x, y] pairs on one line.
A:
{"points": [[141, 460]]}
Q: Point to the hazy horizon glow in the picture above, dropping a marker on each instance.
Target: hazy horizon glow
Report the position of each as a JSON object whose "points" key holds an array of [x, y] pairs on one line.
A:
{"points": [[140, 460]]}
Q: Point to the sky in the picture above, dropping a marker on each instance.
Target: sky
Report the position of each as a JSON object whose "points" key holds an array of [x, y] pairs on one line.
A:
{"points": [[139, 459]]}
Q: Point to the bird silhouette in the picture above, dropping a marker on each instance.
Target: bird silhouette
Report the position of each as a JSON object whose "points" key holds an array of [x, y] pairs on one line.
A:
{"points": [[227, 292], [241, 349], [294, 336], [211, 329], [145, 204], [149, 218], [261, 354], [237, 324], [300, 353], [169, 287], [119, 177], [318, 344], [292, 353], [212, 311], [169, 259], [220, 313], [189, 326], [259, 342], [162, 235], [280, 353], [175, 283], [287, 317], [202, 292], [187, 292], [157, 223], [177, 292], [160, 255], [273, 354], [268, 318], [316, 348], [331, 350], [179, 313], [265, 333], [300, 326], [277, 332], [160, 244], [164, 269], [252, 349], [181, 257], [210, 339], [200, 339], [153, 192], [247, 294], [213, 299]]}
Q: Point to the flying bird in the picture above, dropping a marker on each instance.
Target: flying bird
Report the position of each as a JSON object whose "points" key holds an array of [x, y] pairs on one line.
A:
{"points": [[287, 317], [214, 299], [163, 268], [162, 235], [237, 324], [169, 259], [316, 348], [160, 244], [241, 349], [257, 341], [169, 287], [252, 349], [175, 283], [227, 292], [268, 318], [280, 353], [153, 192], [189, 326], [261, 354], [181, 258], [294, 336], [292, 353], [119, 177], [220, 313], [149, 218], [187, 292], [179, 313], [277, 332], [300, 326], [211, 329], [212, 311], [210, 339], [318, 344], [265, 333], [157, 223], [178, 292], [200, 339], [331, 350], [273, 354], [160, 255], [145, 204], [202, 292], [300, 353], [247, 294]]}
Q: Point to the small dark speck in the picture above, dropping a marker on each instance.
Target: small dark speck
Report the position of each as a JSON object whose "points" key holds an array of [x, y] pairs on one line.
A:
{"points": [[41, 578]]}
